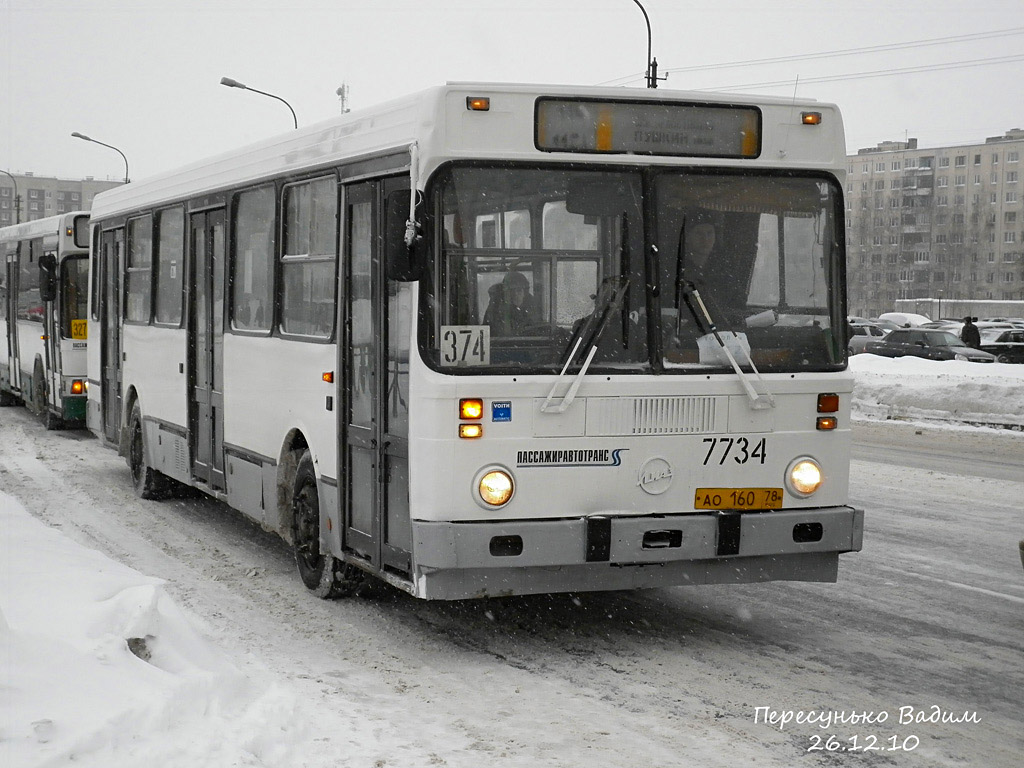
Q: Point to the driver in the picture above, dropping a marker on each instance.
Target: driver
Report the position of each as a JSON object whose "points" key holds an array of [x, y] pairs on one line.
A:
{"points": [[512, 307], [700, 242], [698, 271]]}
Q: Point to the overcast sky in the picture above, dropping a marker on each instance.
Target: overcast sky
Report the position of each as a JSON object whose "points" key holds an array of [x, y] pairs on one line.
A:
{"points": [[144, 75]]}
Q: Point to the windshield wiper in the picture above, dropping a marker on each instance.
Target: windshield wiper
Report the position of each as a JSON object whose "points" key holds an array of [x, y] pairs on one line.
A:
{"points": [[686, 292], [609, 298]]}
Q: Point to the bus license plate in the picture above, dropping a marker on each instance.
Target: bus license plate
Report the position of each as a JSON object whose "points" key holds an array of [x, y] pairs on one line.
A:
{"points": [[738, 498]]}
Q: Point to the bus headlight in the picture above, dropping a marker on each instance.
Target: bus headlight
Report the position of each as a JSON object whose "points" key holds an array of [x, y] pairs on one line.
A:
{"points": [[803, 476], [495, 487]]}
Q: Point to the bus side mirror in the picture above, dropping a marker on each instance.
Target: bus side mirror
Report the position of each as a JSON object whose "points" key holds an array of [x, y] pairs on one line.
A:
{"points": [[48, 277], [405, 260]]}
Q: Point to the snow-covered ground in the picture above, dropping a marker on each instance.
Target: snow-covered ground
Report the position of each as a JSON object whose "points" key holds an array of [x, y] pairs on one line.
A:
{"points": [[101, 667]]}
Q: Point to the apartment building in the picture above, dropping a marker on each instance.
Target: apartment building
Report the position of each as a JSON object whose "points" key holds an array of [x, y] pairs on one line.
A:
{"points": [[944, 223], [42, 196]]}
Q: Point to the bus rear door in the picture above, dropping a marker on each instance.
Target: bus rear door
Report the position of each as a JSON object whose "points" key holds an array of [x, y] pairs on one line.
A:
{"points": [[206, 347]]}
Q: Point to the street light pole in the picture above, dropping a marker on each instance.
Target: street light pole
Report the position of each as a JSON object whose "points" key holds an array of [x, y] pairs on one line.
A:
{"points": [[235, 84], [652, 63], [17, 199], [83, 137]]}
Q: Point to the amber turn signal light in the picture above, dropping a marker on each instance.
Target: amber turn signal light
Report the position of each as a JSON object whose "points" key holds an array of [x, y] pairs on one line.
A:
{"points": [[828, 402], [471, 408], [827, 422]]}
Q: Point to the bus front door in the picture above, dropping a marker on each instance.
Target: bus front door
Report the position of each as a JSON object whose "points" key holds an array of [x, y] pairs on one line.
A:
{"points": [[206, 348], [375, 359], [111, 263]]}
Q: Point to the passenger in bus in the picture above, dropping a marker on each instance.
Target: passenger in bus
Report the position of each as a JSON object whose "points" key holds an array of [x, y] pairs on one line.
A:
{"points": [[512, 308]]}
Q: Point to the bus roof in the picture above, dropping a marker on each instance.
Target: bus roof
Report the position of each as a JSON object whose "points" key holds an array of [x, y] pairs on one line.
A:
{"points": [[436, 119], [37, 227]]}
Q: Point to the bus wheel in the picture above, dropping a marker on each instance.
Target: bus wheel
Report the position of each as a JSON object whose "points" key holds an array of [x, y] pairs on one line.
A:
{"points": [[324, 575], [39, 405], [1003, 358], [51, 420], [7, 398], [147, 481]]}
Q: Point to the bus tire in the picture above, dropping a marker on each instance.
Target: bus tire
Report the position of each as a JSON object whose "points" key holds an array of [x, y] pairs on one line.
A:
{"points": [[39, 404], [40, 399], [7, 398], [325, 576], [51, 420], [148, 482]]}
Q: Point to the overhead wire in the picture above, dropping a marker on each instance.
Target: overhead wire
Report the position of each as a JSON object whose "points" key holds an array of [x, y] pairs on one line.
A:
{"points": [[874, 73], [856, 51], [840, 53]]}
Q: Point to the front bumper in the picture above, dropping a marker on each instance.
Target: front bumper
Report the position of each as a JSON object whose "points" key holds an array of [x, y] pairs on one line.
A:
{"points": [[624, 551]]}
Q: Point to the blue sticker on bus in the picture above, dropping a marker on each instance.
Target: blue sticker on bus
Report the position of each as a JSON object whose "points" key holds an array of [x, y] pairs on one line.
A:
{"points": [[501, 410]]}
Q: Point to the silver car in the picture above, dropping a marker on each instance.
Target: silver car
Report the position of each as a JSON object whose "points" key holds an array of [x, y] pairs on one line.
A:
{"points": [[861, 334]]}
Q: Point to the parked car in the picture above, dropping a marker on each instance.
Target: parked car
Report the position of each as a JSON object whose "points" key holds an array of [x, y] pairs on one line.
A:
{"points": [[956, 327], [929, 344], [905, 319], [1007, 346], [861, 334], [885, 325], [1015, 322]]}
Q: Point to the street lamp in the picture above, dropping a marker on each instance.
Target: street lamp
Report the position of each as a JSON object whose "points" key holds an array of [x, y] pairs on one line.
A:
{"points": [[17, 200], [235, 84], [83, 137], [652, 63]]}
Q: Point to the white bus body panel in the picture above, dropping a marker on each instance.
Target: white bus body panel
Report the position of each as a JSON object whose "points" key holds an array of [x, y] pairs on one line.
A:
{"points": [[610, 484], [154, 367]]}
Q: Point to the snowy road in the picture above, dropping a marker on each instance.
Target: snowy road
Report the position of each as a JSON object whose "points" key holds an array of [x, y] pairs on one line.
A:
{"points": [[929, 616]]}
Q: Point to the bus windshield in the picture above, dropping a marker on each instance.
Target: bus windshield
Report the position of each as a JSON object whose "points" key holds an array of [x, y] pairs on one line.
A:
{"points": [[643, 265]]}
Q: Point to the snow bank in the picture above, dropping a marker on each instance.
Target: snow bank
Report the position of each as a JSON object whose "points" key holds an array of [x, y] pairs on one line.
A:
{"points": [[100, 667], [949, 390]]}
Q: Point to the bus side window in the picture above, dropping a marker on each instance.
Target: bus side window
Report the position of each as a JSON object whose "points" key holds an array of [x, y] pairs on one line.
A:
{"points": [[138, 305], [309, 260], [170, 260], [252, 260]]}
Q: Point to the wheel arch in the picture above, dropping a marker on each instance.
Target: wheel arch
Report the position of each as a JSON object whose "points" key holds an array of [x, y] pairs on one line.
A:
{"points": [[294, 445], [131, 397]]}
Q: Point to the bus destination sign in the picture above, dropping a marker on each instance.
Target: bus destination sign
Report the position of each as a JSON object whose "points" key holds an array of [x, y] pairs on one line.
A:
{"points": [[648, 128]]}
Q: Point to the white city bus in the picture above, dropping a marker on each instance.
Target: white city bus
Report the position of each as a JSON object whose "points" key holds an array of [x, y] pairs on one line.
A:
{"points": [[43, 301], [493, 340]]}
